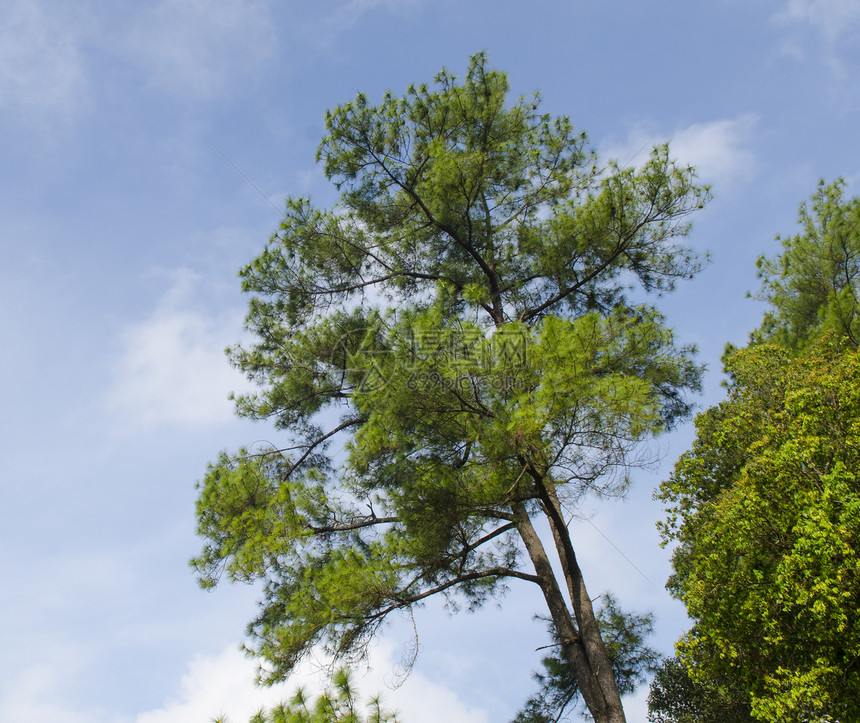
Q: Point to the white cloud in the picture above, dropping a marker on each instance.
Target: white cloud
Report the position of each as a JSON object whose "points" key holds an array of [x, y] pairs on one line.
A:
{"points": [[719, 150], [216, 685], [41, 66], [172, 368], [196, 47], [224, 685]]}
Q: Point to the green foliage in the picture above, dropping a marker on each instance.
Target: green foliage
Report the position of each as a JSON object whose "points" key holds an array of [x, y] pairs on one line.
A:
{"points": [[765, 510], [450, 352], [764, 507], [632, 661], [675, 697], [340, 704], [813, 283]]}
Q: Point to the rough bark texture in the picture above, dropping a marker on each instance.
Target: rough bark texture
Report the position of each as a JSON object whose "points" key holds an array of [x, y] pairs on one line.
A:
{"points": [[581, 639]]}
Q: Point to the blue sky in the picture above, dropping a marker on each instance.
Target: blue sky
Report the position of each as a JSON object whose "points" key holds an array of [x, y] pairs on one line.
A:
{"points": [[123, 221]]}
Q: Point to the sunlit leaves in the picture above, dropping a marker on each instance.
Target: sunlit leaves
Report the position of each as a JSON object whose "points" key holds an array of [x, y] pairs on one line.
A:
{"points": [[766, 511]]}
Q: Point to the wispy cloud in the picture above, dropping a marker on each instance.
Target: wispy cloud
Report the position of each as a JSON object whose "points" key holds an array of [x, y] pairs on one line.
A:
{"points": [[719, 150], [835, 26], [31, 695], [193, 48], [41, 65], [198, 47], [350, 12], [171, 368], [832, 17]]}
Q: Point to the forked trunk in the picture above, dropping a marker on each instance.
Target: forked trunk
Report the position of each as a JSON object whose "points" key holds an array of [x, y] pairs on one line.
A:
{"points": [[581, 642]]}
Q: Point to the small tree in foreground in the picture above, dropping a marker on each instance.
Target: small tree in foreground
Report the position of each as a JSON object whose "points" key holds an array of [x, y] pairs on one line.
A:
{"points": [[451, 356], [340, 704]]}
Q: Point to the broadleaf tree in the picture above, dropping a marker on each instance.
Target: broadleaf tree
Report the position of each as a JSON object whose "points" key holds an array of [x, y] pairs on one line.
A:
{"points": [[764, 507], [451, 355]]}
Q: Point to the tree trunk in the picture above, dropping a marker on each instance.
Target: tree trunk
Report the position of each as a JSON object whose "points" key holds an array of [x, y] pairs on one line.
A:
{"points": [[590, 666], [586, 621]]}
